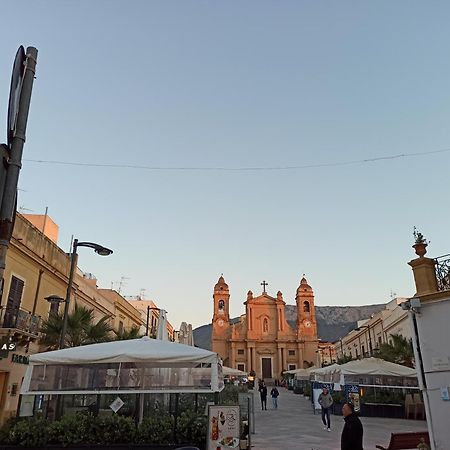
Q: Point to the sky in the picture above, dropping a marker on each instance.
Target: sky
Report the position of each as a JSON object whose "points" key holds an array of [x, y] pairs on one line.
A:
{"points": [[194, 88]]}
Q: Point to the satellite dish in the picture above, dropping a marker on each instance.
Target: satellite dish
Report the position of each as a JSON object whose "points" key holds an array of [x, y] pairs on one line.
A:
{"points": [[14, 92]]}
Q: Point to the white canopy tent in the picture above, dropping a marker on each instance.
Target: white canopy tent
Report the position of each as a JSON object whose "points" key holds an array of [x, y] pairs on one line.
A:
{"points": [[134, 366], [300, 373], [366, 367], [229, 371]]}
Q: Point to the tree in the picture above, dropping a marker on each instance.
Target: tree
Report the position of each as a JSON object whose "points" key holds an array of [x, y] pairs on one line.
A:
{"points": [[82, 328], [132, 333], [344, 359], [399, 351]]}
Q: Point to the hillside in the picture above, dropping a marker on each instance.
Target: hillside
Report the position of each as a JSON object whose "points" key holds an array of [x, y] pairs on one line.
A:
{"points": [[333, 322]]}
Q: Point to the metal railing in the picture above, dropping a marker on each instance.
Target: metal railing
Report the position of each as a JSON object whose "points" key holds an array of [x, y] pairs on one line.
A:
{"points": [[20, 320], [443, 272]]}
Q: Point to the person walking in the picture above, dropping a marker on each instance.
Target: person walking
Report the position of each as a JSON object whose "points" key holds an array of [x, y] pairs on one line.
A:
{"points": [[325, 401], [274, 394], [263, 394], [352, 433]]}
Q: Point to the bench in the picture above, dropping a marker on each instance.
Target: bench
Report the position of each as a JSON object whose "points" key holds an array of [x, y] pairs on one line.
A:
{"points": [[405, 441]]}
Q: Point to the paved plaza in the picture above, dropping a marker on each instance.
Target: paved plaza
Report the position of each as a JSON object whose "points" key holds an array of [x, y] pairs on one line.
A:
{"points": [[294, 426]]}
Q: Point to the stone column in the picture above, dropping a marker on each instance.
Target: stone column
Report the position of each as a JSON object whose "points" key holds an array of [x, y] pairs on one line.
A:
{"points": [[249, 358], [233, 355], [254, 358], [424, 275], [279, 362]]}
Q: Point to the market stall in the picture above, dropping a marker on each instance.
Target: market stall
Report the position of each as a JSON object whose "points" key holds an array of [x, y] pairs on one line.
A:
{"points": [[378, 386]]}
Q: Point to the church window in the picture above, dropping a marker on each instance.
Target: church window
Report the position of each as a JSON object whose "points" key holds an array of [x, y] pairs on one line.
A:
{"points": [[240, 351], [291, 352], [241, 367], [292, 367], [306, 307], [221, 304], [265, 326]]}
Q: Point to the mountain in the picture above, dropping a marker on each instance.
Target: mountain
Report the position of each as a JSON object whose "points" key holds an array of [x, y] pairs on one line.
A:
{"points": [[333, 322]]}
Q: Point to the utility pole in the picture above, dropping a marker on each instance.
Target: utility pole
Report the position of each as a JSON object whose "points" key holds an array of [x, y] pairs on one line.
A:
{"points": [[23, 75]]}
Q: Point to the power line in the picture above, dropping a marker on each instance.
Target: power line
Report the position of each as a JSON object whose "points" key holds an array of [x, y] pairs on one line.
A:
{"points": [[237, 169]]}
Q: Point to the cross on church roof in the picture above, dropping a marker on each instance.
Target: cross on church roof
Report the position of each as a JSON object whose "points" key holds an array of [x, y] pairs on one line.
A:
{"points": [[264, 284]]}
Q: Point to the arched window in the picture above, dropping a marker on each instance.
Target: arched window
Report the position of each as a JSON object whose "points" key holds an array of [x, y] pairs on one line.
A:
{"points": [[221, 304], [306, 307], [265, 326]]}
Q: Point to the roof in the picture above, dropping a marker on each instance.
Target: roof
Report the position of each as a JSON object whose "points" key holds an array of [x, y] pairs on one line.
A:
{"points": [[133, 350]]}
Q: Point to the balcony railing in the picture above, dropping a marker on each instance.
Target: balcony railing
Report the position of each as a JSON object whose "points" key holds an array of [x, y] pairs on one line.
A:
{"points": [[443, 272], [20, 320]]}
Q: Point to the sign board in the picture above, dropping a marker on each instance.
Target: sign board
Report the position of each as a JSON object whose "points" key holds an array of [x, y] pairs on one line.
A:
{"points": [[352, 395], [224, 427], [116, 404], [6, 346], [440, 363]]}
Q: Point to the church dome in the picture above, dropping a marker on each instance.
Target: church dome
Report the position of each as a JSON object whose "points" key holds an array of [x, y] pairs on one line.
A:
{"points": [[221, 285]]}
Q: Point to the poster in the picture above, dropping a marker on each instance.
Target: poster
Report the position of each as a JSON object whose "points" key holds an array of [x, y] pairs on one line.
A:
{"points": [[352, 395], [223, 427]]}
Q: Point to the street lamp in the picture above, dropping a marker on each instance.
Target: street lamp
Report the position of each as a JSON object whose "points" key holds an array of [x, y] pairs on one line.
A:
{"points": [[99, 249], [370, 339]]}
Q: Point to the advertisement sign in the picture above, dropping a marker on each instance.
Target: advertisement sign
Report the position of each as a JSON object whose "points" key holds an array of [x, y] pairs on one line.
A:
{"points": [[352, 395], [223, 427]]}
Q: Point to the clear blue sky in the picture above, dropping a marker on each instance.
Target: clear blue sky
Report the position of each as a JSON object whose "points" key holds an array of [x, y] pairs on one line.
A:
{"points": [[238, 84]]}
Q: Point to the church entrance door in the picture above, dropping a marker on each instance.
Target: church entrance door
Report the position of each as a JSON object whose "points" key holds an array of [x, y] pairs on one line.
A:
{"points": [[266, 367]]}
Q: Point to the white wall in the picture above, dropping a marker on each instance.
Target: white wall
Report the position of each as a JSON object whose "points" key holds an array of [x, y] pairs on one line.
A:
{"points": [[433, 325]]}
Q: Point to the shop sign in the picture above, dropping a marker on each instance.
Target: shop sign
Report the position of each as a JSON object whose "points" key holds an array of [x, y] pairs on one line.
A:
{"points": [[6, 346], [20, 359]]}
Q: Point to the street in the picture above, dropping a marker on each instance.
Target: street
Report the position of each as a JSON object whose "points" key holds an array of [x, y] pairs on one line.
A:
{"points": [[294, 426]]}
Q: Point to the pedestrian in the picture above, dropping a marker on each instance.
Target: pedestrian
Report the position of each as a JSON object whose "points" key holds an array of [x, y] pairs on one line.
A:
{"points": [[274, 394], [263, 394], [352, 433], [325, 401]]}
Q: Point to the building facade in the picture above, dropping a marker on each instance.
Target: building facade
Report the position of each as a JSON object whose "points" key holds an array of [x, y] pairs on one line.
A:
{"points": [[429, 312], [369, 334], [37, 268], [262, 340]]}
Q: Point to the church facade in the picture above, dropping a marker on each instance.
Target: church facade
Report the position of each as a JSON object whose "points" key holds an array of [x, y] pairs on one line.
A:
{"points": [[262, 340]]}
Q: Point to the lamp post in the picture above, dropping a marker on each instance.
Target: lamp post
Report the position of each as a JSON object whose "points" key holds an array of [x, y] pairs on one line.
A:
{"points": [[370, 339], [99, 249], [149, 308]]}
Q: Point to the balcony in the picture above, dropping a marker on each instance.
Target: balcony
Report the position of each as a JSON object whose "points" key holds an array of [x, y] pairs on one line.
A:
{"points": [[442, 264], [20, 323]]}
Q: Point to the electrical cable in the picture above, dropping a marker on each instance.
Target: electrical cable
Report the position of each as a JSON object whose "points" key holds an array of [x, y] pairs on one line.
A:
{"points": [[238, 169]]}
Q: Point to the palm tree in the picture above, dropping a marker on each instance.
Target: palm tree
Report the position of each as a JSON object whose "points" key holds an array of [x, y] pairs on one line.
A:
{"points": [[82, 328], [132, 333], [399, 351]]}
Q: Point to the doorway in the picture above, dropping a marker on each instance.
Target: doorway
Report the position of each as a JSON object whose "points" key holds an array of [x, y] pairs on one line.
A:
{"points": [[266, 364]]}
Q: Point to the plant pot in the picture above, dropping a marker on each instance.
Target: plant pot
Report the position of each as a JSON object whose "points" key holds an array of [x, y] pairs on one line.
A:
{"points": [[420, 248]]}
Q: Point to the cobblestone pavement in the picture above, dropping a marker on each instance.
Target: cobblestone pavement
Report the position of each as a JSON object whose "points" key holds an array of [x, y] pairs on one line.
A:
{"points": [[293, 426]]}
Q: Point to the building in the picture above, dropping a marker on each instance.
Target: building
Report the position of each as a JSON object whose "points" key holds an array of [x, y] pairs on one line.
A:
{"points": [[429, 313], [369, 334], [262, 340], [37, 268], [150, 315], [326, 353]]}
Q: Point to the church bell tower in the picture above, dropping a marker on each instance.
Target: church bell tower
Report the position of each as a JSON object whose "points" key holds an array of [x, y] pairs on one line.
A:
{"points": [[306, 321], [221, 319]]}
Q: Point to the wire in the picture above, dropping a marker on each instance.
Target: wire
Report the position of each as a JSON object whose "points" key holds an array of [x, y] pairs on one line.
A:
{"points": [[237, 169]]}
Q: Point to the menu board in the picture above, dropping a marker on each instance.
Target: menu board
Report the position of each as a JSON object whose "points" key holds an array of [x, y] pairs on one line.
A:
{"points": [[223, 427]]}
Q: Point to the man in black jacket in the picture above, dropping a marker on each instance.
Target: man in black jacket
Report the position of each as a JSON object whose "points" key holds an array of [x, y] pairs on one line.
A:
{"points": [[352, 433]]}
